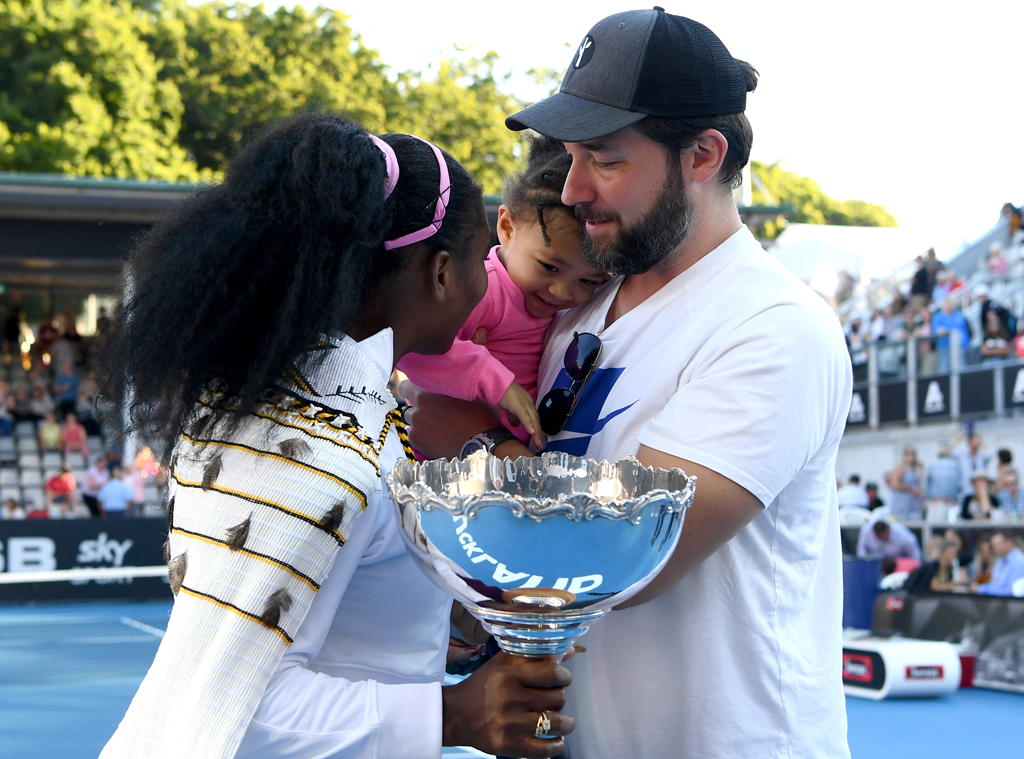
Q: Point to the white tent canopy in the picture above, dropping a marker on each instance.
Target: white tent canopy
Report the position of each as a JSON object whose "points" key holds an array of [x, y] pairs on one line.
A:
{"points": [[864, 252]]}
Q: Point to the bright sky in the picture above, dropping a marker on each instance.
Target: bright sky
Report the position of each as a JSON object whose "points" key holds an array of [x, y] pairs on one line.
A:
{"points": [[897, 102]]}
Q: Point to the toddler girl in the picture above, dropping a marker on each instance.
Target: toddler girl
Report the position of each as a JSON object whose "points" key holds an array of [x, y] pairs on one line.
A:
{"points": [[536, 271]]}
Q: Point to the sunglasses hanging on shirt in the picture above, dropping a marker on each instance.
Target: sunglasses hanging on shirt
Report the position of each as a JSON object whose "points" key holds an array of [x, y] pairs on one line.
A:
{"points": [[580, 360]]}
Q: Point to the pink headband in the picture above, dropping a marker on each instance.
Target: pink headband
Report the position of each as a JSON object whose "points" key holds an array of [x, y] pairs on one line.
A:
{"points": [[444, 192]]}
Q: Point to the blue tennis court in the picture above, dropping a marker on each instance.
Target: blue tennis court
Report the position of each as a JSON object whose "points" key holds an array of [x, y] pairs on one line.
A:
{"points": [[69, 671]]}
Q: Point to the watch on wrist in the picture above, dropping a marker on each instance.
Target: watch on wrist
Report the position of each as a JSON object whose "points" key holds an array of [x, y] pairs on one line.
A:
{"points": [[486, 441]]}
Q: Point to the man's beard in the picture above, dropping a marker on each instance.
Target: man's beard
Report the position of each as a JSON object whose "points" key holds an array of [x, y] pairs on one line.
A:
{"points": [[639, 248]]}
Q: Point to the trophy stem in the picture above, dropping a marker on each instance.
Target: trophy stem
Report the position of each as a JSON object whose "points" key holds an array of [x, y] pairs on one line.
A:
{"points": [[534, 632]]}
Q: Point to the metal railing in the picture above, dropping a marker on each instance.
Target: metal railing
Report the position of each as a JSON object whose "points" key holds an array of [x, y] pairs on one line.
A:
{"points": [[892, 389]]}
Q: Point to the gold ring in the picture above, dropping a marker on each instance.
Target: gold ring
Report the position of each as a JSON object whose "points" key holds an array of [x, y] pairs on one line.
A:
{"points": [[543, 725]]}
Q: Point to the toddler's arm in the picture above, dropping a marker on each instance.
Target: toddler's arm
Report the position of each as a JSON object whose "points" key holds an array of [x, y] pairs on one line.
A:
{"points": [[468, 371]]}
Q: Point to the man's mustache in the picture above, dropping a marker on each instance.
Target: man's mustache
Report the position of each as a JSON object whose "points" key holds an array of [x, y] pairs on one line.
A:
{"points": [[584, 212]]}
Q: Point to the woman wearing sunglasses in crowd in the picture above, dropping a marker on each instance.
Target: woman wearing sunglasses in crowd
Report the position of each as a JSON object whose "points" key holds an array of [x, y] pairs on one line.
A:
{"points": [[262, 320]]}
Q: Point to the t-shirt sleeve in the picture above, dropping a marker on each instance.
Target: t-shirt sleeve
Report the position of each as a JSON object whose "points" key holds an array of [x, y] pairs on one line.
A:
{"points": [[304, 713], [761, 401]]}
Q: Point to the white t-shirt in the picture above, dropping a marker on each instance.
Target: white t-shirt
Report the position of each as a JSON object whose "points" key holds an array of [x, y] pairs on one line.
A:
{"points": [[363, 676], [739, 367], [853, 495]]}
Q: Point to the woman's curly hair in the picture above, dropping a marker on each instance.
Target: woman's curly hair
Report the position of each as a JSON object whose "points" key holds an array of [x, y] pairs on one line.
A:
{"points": [[240, 279]]}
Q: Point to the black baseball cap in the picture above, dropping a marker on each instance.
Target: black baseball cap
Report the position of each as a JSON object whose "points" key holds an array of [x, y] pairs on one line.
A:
{"points": [[638, 64]]}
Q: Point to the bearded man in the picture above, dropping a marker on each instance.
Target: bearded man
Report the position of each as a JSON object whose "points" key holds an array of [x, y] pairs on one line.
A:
{"points": [[713, 359]]}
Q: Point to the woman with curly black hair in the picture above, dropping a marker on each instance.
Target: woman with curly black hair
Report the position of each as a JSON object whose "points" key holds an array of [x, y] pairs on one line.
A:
{"points": [[262, 319]]}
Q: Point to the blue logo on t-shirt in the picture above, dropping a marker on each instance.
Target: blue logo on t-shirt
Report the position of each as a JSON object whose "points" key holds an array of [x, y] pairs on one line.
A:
{"points": [[584, 419]]}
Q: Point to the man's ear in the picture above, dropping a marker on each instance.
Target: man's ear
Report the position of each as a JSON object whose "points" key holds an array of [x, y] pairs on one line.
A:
{"points": [[506, 225], [441, 270], [706, 157]]}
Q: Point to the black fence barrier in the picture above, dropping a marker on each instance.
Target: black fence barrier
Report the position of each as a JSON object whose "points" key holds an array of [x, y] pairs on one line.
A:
{"points": [[895, 392], [991, 625], [40, 545]]}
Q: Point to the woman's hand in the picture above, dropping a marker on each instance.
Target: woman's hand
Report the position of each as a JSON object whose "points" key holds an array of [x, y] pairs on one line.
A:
{"points": [[518, 405], [498, 707], [439, 425]]}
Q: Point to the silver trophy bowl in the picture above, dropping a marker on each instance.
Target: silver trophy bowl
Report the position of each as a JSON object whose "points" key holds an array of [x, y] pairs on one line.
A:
{"points": [[538, 549]]}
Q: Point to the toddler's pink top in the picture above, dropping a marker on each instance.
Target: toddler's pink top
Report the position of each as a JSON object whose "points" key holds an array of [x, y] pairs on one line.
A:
{"points": [[515, 341]]}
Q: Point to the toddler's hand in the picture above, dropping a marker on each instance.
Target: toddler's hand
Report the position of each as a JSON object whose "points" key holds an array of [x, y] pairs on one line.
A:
{"points": [[518, 405]]}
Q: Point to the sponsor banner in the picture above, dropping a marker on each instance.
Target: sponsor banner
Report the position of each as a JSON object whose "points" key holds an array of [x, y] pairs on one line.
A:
{"points": [[42, 545], [977, 392], [933, 397], [859, 415], [924, 672], [864, 669]]}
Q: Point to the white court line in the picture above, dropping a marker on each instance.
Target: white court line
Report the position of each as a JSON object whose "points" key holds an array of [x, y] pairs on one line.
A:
{"points": [[142, 626], [82, 573]]}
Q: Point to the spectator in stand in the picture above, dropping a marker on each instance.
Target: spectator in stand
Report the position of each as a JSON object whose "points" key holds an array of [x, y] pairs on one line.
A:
{"points": [[996, 264], [874, 502], [946, 320], [944, 282], [22, 405], [949, 577], [905, 481], [981, 567], [115, 497], [934, 266], [102, 322], [45, 338], [927, 358], [60, 490], [37, 511], [1009, 497], [50, 434], [73, 437], [85, 406], [65, 387], [1004, 465], [963, 553], [893, 331], [977, 467], [920, 289], [96, 476], [6, 405], [981, 294], [1012, 214], [1009, 567], [62, 351], [879, 540], [852, 494], [856, 343], [41, 403], [995, 340], [943, 481], [877, 325], [11, 510]]}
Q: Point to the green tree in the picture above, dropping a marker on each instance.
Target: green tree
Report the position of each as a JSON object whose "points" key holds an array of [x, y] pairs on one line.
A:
{"points": [[238, 68], [81, 94], [463, 110], [810, 204], [169, 90]]}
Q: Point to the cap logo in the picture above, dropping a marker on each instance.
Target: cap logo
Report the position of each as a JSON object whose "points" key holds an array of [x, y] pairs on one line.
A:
{"points": [[584, 53]]}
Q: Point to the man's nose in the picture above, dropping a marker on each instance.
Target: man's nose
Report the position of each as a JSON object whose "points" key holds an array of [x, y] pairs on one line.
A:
{"points": [[578, 188]]}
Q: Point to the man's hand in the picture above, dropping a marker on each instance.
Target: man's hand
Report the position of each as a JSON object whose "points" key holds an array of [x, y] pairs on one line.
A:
{"points": [[721, 508], [496, 709], [518, 405]]}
